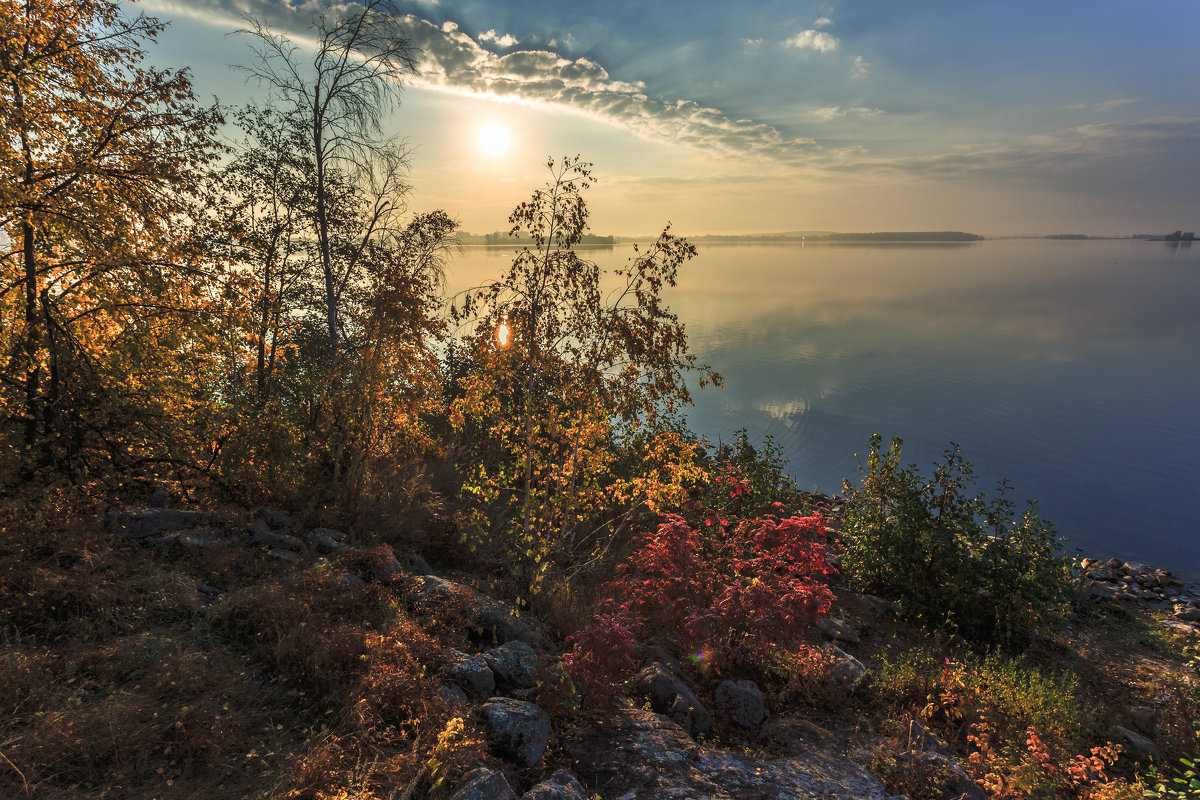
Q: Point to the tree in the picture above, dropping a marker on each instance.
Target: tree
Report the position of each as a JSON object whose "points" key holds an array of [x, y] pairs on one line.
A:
{"points": [[341, 99], [579, 364], [99, 160]]}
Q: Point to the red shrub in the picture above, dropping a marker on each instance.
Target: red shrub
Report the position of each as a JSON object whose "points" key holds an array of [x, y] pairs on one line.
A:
{"points": [[734, 589]]}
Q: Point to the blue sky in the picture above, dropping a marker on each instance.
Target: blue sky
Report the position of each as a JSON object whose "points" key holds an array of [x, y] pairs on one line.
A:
{"points": [[993, 117]]}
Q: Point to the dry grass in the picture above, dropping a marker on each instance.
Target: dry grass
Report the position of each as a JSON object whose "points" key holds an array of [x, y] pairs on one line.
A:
{"points": [[120, 679]]}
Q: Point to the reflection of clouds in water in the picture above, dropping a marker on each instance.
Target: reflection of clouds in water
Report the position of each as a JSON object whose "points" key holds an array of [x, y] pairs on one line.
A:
{"points": [[1021, 299], [785, 411]]}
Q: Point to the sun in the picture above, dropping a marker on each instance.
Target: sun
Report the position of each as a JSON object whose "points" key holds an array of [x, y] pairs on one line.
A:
{"points": [[493, 139]]}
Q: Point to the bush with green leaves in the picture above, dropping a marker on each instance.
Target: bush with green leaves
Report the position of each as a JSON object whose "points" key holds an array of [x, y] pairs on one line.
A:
{"points": [[947, 555]]}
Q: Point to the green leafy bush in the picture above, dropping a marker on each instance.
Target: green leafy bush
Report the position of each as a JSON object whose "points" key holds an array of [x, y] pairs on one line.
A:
{"points": [[949, 556]]}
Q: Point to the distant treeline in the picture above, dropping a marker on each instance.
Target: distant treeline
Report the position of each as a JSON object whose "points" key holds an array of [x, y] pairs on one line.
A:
{"points": [[904, 236], [505, 238]]}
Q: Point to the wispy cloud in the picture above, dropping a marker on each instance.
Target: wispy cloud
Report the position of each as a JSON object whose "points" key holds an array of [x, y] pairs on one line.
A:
{"points": [[813, 40], [862, 68], [823, 22], [837, 112]]}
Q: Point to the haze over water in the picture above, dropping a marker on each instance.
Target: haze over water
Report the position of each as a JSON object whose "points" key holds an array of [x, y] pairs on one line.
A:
{"points": [[1069, 367]]}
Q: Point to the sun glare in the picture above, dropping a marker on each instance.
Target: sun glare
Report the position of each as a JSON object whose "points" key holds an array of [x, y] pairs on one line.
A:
{"points": [[493, 139]]}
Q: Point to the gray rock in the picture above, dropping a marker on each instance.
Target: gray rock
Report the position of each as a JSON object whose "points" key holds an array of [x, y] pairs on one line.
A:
{"points": [[1145, 720], [743, 701], [351, 581], [1188, 614], [149, 522], [517, 729], [471, 673], [1136, 743], [453, 697], [497, 621], [330, 533], [837, 630], [956, 783], [161, 498], [284, 555], [323, 542], [634, 753], [514, 665], [922, 740], [276, 519], [843, 669], [261, 534], [669, 695], [483, 784], [561, 785]]}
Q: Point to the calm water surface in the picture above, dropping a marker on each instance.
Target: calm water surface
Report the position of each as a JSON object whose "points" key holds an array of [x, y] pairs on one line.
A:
{"points": [[1070, 367]]}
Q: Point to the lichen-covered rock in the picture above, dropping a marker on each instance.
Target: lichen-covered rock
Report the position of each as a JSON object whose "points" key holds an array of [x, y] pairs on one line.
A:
{"points": [[742, 701], [514, 665], [470, 672], [518, 730], [483, 784], [561, 785]]}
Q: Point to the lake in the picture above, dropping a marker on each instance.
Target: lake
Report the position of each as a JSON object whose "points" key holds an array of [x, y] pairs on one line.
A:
{"points": [[1070, 367]]}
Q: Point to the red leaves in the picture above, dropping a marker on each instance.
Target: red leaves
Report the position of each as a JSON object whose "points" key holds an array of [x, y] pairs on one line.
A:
{"points": [[739, 585]]}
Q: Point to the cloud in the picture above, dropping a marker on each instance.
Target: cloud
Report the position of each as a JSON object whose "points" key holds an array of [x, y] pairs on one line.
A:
{"points": [[1111, 104], [813, 40], [862, 68], [752, 42], [823, 22], [837, 112], [507, 40]]}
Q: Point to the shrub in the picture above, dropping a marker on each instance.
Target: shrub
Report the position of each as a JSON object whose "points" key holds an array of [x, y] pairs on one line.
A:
{"points": [[729, 591], [949, 556]]}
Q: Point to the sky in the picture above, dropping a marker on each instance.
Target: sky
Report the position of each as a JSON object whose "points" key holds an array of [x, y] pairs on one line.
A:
{"points": [[998, 118]]}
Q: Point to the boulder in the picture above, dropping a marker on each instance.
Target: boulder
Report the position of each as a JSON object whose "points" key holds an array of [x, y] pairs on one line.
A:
{"points": [[326, 540], [161, 498], [472, 673], [453, 697], [144, 523], [1188, 614], [1145, 720], [482, 783], [742, 701], [494, 620], [1135, 743], [634, 753], [669, 695], [837, 630], [954, 780], [517, 729], [275, 518], [261, 534], [922, 740], [514, 664], [561, 785], [843, 669]]}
